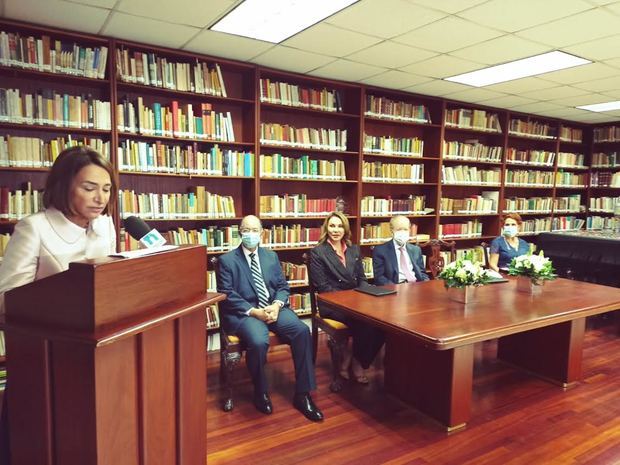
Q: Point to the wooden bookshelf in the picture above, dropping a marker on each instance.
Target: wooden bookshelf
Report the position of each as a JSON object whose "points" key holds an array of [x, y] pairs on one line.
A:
{"points": [[383, 127]]}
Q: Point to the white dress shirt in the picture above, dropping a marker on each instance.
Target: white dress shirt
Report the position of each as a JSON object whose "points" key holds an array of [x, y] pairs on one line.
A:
{"points": [[45, 243]]}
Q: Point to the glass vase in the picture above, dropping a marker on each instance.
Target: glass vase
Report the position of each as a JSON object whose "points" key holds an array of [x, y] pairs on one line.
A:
{"points": [[528, 285], [462, 295]]}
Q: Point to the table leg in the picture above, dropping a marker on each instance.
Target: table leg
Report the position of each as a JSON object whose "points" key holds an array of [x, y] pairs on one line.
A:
{"points": [[553, 352], [436, 382]]}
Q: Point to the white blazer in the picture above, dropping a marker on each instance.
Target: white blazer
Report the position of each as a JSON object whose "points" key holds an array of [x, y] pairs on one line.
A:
{"points": [[45, 243]]}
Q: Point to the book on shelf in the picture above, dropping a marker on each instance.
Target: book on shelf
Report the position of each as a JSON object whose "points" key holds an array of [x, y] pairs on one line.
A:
{"points": [[152, 70], [606, 134], [529, 178], [50, 108], [385, 145], [474, 204], [308, 138], [527, 205], [34, 152], [52, 55], [465, 174], [529, 157], [294, 205], [156, 157], [479, 120], [20, 203], [386, 108], [531, 128], [198, 204], [413, 205], [384, 172], [571, 160], [282, 93], [605, 160], [471, 150], [571, 134], [303, 167], [472, 228]]}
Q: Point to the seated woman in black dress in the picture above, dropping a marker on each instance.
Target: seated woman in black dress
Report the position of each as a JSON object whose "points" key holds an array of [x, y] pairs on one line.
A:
{"points": [[508, 246], [335, 264]]}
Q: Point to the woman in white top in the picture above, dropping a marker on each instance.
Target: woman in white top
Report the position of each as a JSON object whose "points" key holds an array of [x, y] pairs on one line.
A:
{"points": [[74, 226]]}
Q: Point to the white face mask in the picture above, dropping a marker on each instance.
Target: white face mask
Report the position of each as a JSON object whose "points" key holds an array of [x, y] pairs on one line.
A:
{"points": [[401, 237], [510, 231]]}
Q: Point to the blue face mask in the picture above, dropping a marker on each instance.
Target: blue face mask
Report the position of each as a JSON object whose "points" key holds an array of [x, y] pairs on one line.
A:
{"points": [[250, 239], [510, 231]]}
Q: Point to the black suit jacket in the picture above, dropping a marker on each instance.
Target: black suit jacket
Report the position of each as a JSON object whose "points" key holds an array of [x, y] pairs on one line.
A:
{"points": [[329, 274]]}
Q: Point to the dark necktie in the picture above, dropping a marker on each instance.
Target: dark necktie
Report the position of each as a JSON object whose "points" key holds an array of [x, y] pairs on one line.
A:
{"points": [[259, 283]]}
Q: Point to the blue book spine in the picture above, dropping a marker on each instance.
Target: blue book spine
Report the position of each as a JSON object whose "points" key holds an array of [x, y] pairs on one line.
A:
{"points": [[157, 115]]}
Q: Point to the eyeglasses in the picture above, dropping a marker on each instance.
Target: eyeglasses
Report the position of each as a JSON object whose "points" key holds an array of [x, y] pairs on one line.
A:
{"points": [[251, 230]]}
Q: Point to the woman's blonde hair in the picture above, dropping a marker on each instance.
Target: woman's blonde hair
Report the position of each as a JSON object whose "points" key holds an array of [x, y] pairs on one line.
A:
{"points": [[345, 225]]}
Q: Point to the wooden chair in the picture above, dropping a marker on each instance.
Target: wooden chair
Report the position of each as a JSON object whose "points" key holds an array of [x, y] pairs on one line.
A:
{"points": [[231, 351], [337, 333], [434, 260], [485, 251]]}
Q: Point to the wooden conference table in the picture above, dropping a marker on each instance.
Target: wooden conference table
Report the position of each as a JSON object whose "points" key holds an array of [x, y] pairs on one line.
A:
{"points": [[429, 338]]}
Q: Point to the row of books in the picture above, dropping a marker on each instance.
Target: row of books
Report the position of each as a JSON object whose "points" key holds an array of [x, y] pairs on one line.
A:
{"points": [[275, 206], [535, 226], [571, 160], [283, 93], [384, 172], [470, 175], [605, 179], [568, 204], [52, 56], [304, 167], [300, 303], [176, 120], [155, 157], [604, 204], [374, 206], [150, 69], [476, 204], [50, 108], [4, 240], [479, 120], [531, 128], [527, 205], [213, 316], [476, 253], [381, 232], [605, 160], [529, 157], [295, 273], [473, 151], [608, 223], [567, 223], [570, 179], [367, 266], [20, 203], [192, 205], [383, 107], [529, 178], [33, 152], [571, 134], [472, 228], [607, 134], [385, 145], [309, 138]]}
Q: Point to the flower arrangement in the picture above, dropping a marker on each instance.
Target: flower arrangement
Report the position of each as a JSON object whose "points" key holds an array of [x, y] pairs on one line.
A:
{"points": [[535, 266], [464, 272]]}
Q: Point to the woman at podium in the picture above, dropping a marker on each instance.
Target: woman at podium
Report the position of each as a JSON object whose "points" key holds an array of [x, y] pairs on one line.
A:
{"points": [[335, 264], [73, 226], [508, 246]]}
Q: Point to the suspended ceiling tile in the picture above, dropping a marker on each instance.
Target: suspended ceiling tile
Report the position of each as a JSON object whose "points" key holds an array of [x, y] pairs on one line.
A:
{"points": [[501, 50], [580, 73], [474, 95], [395, 80], [291, 59], [385, 18], [437, 88], [601, 85], [579, 100], [575, 29], [535, 107], [347, 71], [597, 118], [597, 50], [187, 12], [226, 45], [508, 101], [554, 93], [612, 94], [330, 40], [390, 55], [447, 34], [449, 6], [109, 4], [511, 16], [519, 86], [58, 14], [442, 66]]}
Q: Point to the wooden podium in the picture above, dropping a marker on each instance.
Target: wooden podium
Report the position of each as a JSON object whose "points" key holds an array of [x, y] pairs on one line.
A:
{"points": [[107, 362]]}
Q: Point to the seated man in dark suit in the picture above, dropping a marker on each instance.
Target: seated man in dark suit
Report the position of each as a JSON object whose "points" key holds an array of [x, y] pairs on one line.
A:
{"points": [[257, 302], [398, 261]]}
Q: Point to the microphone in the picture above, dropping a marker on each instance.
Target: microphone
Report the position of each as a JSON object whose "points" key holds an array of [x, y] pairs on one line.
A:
{"points": [[140, 231]]}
